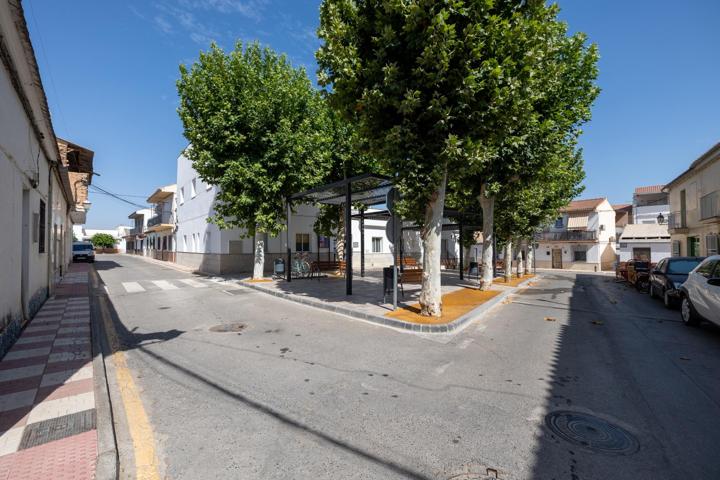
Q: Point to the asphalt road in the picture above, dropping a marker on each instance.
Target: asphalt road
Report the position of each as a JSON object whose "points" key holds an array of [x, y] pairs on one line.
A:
{"points": [[300, 393]]}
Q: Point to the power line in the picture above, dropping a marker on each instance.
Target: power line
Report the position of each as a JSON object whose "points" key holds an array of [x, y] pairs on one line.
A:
{"points": [[118, 197], [49, 70]]}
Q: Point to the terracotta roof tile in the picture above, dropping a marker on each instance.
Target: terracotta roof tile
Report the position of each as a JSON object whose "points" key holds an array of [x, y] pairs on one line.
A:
{"points": [[580, 205], [649, 189]]}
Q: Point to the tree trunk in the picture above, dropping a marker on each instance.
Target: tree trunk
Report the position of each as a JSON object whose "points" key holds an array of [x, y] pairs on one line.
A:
{"points": [[340, 240], [530, 259], [519, 260], [431, 293], [488, 206], [466, 256], [507, 260], [259, 264]]}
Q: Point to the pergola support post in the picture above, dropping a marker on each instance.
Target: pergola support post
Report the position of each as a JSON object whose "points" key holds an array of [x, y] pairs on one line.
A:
{"points": [[348, 239], [362, 242], [288, 267], [460, 242]]}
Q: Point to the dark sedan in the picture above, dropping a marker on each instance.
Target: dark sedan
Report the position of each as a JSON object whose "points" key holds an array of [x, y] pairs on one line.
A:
{"points": [[668, 275]]}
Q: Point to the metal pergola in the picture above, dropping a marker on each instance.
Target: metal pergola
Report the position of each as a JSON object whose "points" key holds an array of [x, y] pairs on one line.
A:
{"points": [[368, 190]]}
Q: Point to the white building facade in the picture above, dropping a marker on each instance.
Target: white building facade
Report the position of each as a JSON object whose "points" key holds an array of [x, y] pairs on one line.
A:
{"points": [[581, 238]]}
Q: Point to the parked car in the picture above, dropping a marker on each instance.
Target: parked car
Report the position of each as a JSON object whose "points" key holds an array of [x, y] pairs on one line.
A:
{"points": [[83, 251], [668, 276], [701, 293]]}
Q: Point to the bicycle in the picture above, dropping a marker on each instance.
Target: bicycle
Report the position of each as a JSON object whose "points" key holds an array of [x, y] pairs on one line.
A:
{"points": [[300, 266]]}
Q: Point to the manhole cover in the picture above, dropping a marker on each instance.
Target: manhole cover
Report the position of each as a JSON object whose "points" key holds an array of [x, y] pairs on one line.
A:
{"points": [[228, 327], [592, 433]]}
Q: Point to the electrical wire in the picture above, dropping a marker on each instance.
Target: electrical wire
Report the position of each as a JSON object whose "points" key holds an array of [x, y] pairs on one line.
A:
{"points": [[100, 190]]}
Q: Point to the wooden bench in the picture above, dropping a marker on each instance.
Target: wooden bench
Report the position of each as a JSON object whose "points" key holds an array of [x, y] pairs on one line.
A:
{"points": [[409, 263], [327, 266]]}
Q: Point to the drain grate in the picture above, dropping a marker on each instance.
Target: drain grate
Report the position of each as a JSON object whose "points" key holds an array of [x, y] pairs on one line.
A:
{"points": [[56, 428], [228, 327], [591, 432]]}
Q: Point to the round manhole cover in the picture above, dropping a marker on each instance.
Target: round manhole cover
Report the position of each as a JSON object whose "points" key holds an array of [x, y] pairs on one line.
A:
{"points": [[228, 327], [592, 433]]}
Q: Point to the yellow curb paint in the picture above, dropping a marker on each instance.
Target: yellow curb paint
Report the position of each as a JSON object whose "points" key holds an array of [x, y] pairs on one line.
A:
{"points": [[146, 464]]}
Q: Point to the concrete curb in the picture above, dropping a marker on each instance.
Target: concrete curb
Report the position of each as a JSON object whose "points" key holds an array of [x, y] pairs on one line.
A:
{"points": [[455, 325], [107, 465]]}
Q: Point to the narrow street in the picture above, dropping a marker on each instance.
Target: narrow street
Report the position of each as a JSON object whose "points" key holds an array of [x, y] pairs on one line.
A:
{"points": [[300, 393]]}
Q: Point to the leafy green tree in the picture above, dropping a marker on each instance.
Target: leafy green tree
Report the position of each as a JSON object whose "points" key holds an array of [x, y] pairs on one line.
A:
{"points": [[258, 130], [439, 87], [103, 240]]}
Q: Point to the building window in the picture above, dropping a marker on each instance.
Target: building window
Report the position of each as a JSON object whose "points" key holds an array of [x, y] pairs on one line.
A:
{"points": [[41, 228], [559, 222], [676, 248], [711, 245], [182, 195], [376, 244], [302, 242], [580, 255], [193, 191]]}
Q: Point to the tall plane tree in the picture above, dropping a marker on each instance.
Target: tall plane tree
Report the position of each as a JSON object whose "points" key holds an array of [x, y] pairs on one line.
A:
{"points": [[434, 83], [258, 130]]}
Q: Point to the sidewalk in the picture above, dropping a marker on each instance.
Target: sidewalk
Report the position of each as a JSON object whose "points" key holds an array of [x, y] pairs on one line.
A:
{"points": [[47, 399]]}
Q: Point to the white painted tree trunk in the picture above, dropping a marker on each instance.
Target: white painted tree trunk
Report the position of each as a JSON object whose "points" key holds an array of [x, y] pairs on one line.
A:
{"points": [[530, 259], [488, 208], [520, 270], [340, 240], [431, 293], [259, 263], [507, 260]]}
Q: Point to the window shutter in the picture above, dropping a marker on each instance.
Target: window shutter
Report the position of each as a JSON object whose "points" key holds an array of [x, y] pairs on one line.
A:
{"points": [[711, 244], [676, 248]]}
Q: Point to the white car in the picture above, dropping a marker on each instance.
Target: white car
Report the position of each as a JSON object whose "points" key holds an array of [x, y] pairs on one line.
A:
{"points": [[701, 293], [83, 251]]}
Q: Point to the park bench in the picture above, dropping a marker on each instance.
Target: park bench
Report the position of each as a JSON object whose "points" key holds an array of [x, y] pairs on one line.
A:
{"points": [[319, 266]]}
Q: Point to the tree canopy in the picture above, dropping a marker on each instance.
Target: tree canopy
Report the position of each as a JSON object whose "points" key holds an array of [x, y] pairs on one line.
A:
{"points": [[103, 240], [257, 129]]}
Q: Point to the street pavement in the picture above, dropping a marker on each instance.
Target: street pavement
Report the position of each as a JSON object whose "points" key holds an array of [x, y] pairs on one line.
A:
{"points": [[298, 393]]}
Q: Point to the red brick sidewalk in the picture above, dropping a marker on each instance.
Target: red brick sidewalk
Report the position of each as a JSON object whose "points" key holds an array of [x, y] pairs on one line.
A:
{"points": [[47, 401]]}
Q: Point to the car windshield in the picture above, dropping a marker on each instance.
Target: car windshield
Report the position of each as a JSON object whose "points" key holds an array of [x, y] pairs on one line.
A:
{"points": [[81, 247], [681, 267]]}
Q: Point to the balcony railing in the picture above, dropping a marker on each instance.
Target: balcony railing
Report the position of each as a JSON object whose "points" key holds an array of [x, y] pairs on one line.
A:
{"points": [[136, 231], [679, 219], [165, 217], [567, 236], [710, 205]]}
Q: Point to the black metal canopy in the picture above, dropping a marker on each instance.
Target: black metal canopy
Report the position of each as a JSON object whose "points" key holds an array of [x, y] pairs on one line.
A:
{"points": [[367, 189]]}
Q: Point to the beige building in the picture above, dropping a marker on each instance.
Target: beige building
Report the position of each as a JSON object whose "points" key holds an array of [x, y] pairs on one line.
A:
{"points": [[694, 222], [581, 238]]}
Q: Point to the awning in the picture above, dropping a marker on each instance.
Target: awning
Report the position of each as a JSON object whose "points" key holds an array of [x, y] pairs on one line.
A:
{"points": [[577, 221]]}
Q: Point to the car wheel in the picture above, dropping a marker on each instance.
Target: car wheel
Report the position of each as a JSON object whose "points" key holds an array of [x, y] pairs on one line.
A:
{"points": [[652, 291], [688, 314], [668, 300]]}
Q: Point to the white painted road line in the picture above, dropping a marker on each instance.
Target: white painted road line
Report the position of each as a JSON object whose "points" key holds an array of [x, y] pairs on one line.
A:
{"points": [[132, 287], [441, 369], [193, 283], [164, 284], [465, 343]]}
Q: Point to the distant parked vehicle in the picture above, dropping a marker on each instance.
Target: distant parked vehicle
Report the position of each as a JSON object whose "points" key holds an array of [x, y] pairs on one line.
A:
{"points": [[701, 293], [638, 274], [83, 251], [668, 276]]}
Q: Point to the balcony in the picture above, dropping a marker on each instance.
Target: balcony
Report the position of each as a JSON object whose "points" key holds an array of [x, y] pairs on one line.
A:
{"points": [[710, 206], [159, 222], [567, 236], [679, 221], [136, 231]]}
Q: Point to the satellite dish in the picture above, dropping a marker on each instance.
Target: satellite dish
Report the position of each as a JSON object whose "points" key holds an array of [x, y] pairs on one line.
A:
{"points": [[391, 199]]}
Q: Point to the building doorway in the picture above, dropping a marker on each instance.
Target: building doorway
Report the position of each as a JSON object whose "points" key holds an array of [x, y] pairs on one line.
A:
{"points": [[694, 246], [642, 254], [557, 258]]}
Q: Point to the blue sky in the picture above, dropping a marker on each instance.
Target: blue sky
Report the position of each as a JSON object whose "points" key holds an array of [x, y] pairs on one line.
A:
{"points": [[109, 71]]}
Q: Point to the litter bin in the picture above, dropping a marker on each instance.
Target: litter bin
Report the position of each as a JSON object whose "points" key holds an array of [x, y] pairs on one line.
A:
{"points": [[279, 267], [388, 282], [473, 269]]}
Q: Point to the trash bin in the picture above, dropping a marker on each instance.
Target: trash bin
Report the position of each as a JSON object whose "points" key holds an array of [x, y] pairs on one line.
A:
{"points": [[388, 282], [279, 267], [473, 269]]}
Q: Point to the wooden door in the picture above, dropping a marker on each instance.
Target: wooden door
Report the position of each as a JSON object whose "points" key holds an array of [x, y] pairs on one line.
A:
{"points": [[557, 258]]}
